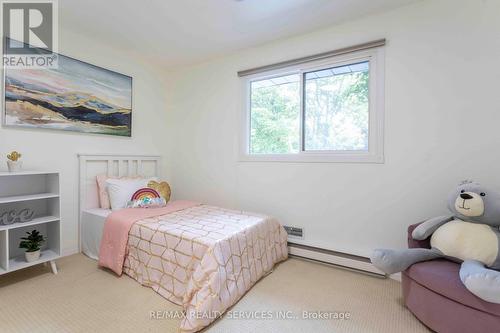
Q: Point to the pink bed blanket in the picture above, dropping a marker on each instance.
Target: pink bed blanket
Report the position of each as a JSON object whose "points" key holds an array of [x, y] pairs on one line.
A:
{"points": [[202, 257], [114, 240]]}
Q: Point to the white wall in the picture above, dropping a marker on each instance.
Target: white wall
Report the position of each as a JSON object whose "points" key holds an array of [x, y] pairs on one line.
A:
{"points": [[54, 150], [442, 125]]}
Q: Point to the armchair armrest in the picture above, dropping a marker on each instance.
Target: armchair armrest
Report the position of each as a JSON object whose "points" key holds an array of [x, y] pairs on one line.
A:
{"points": [[426, 243]]}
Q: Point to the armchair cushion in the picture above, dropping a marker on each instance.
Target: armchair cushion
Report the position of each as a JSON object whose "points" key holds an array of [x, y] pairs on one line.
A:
{"points": [[442, 277]]}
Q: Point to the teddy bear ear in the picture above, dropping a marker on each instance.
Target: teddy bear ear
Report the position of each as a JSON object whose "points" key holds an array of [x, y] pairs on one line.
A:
{"points": [[466, 181]]}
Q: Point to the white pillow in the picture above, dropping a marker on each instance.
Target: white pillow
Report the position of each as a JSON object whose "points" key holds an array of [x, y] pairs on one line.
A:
{"points": [[121, 190]]}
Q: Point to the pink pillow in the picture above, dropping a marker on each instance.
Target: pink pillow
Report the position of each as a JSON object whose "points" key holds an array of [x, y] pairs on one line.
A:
{"points": [[103, 193]]}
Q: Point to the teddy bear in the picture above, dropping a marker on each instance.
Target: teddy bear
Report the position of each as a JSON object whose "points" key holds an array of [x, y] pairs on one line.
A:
{"points": [[470, 235]]}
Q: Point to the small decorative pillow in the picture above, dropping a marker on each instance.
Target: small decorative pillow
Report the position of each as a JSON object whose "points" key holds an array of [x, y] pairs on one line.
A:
{"points": [[146, 198], [162, 188], [121, 190], [103, 193]]}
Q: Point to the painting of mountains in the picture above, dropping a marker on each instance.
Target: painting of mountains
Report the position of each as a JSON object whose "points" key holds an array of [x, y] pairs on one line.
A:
{"points": [[76, 96]]}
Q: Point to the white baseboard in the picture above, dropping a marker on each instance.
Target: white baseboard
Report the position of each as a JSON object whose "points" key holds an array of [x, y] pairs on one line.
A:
{"points": [[69, 251], [396, 277], [334, 258]]}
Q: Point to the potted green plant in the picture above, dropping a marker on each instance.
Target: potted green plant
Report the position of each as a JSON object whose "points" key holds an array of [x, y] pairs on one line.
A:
{"points": [[32, 244]]}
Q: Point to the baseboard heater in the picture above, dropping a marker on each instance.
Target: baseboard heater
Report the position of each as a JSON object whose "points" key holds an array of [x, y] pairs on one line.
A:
{"points": [[344, 260]]}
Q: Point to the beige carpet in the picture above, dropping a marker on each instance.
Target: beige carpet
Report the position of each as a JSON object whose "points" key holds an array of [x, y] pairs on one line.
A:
{"points": [[83, 298]]}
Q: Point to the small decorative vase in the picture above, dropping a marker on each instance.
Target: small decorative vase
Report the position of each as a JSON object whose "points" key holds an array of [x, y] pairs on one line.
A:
{"points": [[32, 256], [14, 166]]}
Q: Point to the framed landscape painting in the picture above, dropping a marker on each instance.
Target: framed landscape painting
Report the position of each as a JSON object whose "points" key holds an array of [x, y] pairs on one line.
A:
{"points": [[76, 96]]}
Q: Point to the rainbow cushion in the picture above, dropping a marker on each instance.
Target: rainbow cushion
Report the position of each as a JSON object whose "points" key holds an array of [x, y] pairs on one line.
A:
{"points": [[146, 198], [144, 193]]}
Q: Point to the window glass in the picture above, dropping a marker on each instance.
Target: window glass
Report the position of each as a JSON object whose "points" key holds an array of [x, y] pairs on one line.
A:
{"points": [[336, 108], [275, 115]]}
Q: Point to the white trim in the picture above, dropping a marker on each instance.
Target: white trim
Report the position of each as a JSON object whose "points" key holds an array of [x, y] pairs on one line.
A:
{"points": [[315, 57], [69, 251], [84, 159], [395, 277], [375, 154], [331, 258]]}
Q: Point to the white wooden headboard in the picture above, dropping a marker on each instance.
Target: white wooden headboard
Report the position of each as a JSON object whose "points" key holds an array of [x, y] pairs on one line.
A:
{"points": [[92, 165]]}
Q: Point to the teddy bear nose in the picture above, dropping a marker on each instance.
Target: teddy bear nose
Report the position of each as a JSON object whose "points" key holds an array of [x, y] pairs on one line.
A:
{"points": [[465, 196]]}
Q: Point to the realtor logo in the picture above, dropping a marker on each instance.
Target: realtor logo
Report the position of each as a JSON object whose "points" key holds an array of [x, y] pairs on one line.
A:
{"points": [[29, 34]]}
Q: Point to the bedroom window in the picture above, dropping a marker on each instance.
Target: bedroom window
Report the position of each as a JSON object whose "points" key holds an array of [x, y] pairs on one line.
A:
{"points": [[330, 110]]}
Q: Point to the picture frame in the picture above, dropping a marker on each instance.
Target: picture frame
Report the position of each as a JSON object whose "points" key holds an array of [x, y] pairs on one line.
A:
{"points": [[76, 96]]}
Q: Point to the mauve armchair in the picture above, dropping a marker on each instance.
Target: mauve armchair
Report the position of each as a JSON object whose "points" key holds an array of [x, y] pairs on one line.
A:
{"points": [[433, 292]]}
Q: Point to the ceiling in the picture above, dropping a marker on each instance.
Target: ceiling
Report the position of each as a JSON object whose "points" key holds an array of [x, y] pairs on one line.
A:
{"points": [[178, 32]]}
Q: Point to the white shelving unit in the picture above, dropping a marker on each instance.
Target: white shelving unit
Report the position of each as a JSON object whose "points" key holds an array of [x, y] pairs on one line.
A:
{"points": [[38, 191]]}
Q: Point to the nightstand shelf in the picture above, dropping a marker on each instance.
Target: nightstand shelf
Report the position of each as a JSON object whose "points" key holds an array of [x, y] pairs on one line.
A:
{"points": [[37, 220], [20, 262], [29, 197], [39, 192]]}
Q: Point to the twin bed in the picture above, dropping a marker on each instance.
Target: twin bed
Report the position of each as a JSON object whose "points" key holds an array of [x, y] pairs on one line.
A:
{"points": [[202, 257]]}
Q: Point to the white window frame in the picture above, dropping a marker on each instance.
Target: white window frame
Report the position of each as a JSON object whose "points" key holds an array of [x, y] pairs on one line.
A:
{"points": [[375, 153]]}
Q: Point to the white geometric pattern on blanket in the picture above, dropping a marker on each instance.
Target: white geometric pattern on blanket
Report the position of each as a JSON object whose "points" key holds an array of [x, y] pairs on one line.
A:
{"points": [[204, 258]]}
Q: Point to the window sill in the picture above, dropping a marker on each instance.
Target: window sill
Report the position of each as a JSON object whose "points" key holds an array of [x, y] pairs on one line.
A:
{"points": [[348, 157]]}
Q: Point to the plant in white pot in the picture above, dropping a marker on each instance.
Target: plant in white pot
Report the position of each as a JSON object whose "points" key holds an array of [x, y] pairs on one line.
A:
{"points": [[14, 164], [32, 244]]}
